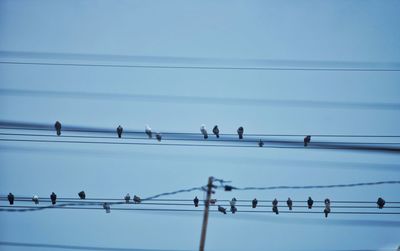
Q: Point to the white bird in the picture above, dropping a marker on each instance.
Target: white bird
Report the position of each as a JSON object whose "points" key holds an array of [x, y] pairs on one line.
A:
{"points": [[203, 131], [35, 199], [148, 131]]}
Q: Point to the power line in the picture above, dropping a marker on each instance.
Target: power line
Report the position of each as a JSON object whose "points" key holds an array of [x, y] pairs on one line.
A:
{"points": [[36, 208], [177, 67], [12, 125], [328, 147], [231, 139], [74, 247]]}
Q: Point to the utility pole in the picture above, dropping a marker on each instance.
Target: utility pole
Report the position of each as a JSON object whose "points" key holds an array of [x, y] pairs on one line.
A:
{"points": [[205, 217]]}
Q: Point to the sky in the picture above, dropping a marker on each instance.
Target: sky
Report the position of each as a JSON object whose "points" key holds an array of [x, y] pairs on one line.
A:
{"points": [[296, 34]]}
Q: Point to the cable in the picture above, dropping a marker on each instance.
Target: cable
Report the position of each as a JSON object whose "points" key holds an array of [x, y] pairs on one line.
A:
{"points": [[27, 198], [391, 182], [345, 147], [73, 247], [202, 67], [12, 125], [36, 208], [197, 139]]}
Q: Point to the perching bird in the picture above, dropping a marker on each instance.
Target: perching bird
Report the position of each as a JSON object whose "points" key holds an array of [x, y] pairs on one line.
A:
{"points": [[222, 210], [82, 195], [196, 201], [158, 136], [289, 203], [136, 199], [127, 198], [10, 198], [233, 209], [213, 201], [228, 188], [147, 130], [260, 143], [327, 209], [275, 206], [119, 131], [310, 202], [203, 131], [53, 198], [107, 207], [240, 131], [57, 125], [254, 203], [216, 131], [35, 199], [307, 140], [233, 202], [381, 202]]}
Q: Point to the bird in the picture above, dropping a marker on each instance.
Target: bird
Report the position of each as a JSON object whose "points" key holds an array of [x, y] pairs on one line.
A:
{"points": [[119, 131], [158, 136], [381, 202], [307, 140], [260, 143], [240, 131], [10, 198], [82, 195], [213, 201], [147, 130], [53, 198], [35, 199], [254, 203], [57, 125], [127, 198], [196, 201], [222, 209], [228, 188], [203, 131], [327, 209], [233, 209], [275, 206], [310, 202], [233, 202], [107, 207], [136, 199], [216, 131], [289, 203]]}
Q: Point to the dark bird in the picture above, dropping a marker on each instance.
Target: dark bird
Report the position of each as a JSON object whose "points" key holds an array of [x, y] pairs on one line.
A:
{"points": [[275, 206], [53, 198], [196, 201], [289, 203], [260, 143], [307, 140], [107, 207], [327, 209], [82, 195], [147, 130], [203, 131], [136, 199], [127, 198], [57, 125], [10, 198], [254, 203], [381, 202], [240, 131], [158, 136], [222, 210], [119, 131], [216, 131], [310, 202]]}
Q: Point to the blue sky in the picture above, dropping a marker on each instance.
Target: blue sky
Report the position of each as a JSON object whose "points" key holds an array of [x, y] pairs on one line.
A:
{"points": [[219, 33]]}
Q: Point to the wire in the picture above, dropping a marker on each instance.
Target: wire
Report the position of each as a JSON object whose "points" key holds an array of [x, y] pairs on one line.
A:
{"points": [[36, 208], [195, 139], [12, 125], [74, 247], [391, 182], [202, 67], [343, 147]]}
